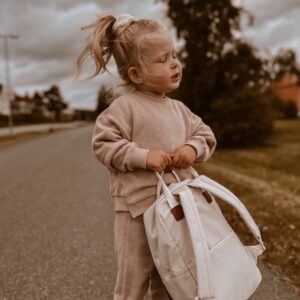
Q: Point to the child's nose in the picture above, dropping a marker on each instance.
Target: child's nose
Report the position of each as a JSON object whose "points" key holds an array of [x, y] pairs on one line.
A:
{"points": [[174, 63]]}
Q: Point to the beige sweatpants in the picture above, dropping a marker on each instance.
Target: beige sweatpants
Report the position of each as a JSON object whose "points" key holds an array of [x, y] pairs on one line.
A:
{"points": [[137, 273]]}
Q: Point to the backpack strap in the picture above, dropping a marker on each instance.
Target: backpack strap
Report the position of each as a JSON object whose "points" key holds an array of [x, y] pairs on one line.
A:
{"points": [[203, 265], [223, 193], [200, 245], [167, 193], [159, 185], [204, 182]]}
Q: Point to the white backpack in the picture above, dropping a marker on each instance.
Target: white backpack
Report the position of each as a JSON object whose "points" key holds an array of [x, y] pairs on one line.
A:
{"points": [[195, 250]]}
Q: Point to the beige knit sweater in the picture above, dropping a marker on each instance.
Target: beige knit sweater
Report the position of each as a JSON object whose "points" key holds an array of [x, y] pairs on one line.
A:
{"points": [[132, 125]]}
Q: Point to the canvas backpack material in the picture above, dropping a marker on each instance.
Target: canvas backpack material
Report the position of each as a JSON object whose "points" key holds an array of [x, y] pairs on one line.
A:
{"points": [[195, 250]]}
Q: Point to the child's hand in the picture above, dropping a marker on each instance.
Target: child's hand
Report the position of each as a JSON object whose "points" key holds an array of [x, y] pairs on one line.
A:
{"points": [[183, 157], [158, 160]]}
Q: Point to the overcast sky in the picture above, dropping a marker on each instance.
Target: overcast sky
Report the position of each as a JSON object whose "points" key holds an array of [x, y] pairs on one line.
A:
{"points": [[50, 38]]}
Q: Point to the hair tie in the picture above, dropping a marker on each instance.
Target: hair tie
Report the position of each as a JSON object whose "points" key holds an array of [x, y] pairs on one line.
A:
{"points": [[121, 21]]}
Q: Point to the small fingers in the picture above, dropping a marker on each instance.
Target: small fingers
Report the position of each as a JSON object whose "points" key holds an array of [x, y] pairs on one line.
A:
{"points": [[178, 162], [175, 160], [167, 167], [182, 162], [186, 165], [166, 162]]}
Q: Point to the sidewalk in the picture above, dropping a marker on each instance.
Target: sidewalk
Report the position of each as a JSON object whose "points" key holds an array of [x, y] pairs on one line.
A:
{"points": [[272, 287], [4, 131]]}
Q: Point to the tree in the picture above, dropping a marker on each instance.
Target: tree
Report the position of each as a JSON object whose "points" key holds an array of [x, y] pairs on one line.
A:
{"points": [[284, 109], [285, 61], [37, 99], [222, 73], [55, 101]]}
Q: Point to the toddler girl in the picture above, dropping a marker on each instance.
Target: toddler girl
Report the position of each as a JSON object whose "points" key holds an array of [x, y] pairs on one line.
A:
{"points": [[139, 132]]}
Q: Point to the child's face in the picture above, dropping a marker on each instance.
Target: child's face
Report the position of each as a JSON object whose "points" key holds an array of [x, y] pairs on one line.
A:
{"points": [[162, 70]]}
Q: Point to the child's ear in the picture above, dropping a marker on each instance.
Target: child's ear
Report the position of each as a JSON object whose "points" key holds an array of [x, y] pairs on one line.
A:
{"points": [[134, 75]]}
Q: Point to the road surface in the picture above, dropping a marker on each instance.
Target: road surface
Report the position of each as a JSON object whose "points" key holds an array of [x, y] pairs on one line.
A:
{"points": [[56, 223]]}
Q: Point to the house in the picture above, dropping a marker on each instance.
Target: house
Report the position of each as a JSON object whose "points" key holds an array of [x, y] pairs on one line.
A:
{"points": [[30, 109], [288, 89], [67, 114], [22, 105], [40, 107]]}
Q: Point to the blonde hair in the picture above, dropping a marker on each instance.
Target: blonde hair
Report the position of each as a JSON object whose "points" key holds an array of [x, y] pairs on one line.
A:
{"points": [[126, 44]]}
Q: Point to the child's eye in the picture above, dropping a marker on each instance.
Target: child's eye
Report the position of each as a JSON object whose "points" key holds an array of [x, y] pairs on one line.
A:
{"points": [[164, 59]]}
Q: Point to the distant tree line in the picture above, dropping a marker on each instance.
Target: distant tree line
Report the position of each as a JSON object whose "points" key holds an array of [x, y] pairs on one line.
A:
{"points": [[42, 106], [52, 100]]}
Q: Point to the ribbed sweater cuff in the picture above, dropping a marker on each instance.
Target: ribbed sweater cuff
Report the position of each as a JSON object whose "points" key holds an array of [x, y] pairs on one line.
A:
{"points": [[198, 147], [138, 158]]}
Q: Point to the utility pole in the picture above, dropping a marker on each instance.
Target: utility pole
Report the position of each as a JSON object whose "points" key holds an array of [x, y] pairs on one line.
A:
{"points": [[7, 91]]}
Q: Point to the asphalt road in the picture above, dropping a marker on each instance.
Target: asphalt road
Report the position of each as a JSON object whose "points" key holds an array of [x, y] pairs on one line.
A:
{"points": [[56, 223], [56, 220]]}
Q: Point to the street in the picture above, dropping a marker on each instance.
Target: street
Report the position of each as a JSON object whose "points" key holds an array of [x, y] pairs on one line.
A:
{"points": [[56, 220], [56, 223]]}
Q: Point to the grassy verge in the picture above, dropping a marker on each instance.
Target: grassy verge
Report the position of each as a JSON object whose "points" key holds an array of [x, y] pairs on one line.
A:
{"points": [[7, 141], [267, 180], [21, 137]]}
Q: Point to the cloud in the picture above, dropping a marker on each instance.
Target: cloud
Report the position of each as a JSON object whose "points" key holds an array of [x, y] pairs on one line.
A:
{"points": [[50, 38], [269, 10], [275, 26]]}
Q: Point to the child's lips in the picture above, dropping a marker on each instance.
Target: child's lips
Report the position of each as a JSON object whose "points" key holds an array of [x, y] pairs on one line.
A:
{"points": [[176, 76]]}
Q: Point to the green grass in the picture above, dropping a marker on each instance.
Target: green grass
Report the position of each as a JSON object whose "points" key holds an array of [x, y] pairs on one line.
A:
{"points": [[267, 180]]}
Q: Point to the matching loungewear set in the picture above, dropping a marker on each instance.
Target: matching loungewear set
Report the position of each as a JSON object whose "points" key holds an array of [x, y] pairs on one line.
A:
{"points": [[124, 133]]}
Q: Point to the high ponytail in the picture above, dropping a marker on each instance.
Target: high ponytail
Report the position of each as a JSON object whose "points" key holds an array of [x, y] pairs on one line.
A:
{"points": [[99, 45], [124, 42]]}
